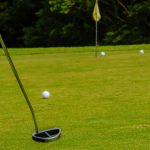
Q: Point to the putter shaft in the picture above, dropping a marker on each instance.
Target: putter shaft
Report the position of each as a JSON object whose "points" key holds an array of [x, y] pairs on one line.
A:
{"points": [[19, 82]]}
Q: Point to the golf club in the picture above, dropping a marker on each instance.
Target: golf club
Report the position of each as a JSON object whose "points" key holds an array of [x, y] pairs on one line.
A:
{"points": [[42, 136]]}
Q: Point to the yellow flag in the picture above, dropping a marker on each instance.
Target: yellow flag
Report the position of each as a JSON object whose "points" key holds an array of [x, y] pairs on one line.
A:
{"points": [[96, 12]]}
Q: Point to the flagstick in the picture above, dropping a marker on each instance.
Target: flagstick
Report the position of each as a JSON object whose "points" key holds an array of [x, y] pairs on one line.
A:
{"points": [[96, 39], [96, 17]]}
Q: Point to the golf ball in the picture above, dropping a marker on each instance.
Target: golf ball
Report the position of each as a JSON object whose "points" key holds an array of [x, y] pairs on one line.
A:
{"points": [[141, 51], [45, 94], [103, 53]]}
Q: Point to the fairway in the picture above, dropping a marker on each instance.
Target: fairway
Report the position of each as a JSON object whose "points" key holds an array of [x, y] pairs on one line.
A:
{"points": [[99, 103]]}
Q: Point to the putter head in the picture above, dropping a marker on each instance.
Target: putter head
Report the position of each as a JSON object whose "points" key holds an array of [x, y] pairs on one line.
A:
{"points": [[47, 135]]}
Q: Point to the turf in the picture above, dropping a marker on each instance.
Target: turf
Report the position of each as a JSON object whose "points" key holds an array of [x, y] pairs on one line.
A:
{"points": [[99, 103]]}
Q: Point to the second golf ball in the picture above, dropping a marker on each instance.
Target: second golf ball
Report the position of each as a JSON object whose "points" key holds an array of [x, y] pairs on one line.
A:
{"points": [[45, 94], [102, 53], [141, 51]]}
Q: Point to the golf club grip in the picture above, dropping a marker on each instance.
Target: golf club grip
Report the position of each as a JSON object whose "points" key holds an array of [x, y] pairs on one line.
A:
{"points": [[19, 81]]}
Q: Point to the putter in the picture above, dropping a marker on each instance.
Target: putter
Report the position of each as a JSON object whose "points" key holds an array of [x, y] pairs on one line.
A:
{"points": [[41, 136]]}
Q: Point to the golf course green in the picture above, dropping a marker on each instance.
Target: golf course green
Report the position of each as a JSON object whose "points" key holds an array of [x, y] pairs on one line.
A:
{"points": [[100, 103]]}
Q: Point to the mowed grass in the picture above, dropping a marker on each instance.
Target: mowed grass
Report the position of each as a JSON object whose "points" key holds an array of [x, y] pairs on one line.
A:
{"points": [[99, 103]]}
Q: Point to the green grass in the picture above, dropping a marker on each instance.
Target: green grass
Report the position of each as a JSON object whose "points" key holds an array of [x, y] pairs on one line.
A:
{"points": [[54, 50], [100, 104]]}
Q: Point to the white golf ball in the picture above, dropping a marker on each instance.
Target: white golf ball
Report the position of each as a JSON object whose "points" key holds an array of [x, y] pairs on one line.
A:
{"points": [[141, 51], [103, 53], [45, 94]]}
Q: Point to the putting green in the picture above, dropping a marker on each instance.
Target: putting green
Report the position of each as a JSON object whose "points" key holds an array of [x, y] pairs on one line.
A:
{"points": [[99, 103]]}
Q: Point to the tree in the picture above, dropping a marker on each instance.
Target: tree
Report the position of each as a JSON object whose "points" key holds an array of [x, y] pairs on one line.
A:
{"points": [[14, 16], [69, 22], [134, 29], [62, 23]]}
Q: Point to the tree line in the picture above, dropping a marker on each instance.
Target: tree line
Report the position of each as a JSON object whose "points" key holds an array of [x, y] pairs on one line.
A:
{"points": [[36, 23]]}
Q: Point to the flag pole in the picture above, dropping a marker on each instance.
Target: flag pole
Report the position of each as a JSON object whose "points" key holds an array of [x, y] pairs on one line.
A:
{"points": [[96, 51], [96, 17]]}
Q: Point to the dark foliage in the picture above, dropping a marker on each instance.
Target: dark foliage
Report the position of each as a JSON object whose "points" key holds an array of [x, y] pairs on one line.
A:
{"points": [[35, 23]]}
